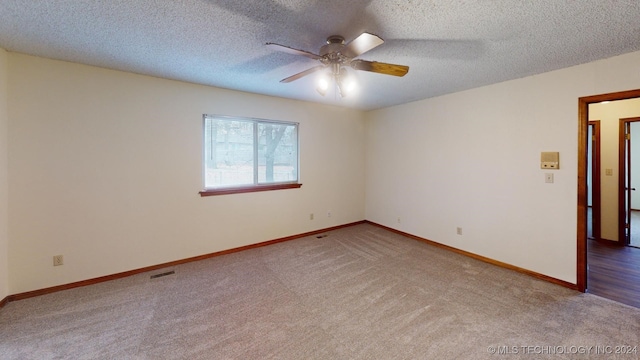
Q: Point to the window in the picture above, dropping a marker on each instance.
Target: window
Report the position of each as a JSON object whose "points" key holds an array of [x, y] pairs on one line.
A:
{"points": [[244, 155]]}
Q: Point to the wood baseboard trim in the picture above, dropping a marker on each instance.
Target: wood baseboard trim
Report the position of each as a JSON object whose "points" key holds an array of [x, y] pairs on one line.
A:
{"points": [[481, 258], [39, 292], [4, 302]]}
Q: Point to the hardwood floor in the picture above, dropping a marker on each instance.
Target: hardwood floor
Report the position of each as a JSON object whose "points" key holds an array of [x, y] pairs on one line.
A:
{"points": [[614, 272]]}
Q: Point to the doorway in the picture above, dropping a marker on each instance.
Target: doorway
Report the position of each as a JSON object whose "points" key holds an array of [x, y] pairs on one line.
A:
{"points": [[628, 197], [582, 208]]}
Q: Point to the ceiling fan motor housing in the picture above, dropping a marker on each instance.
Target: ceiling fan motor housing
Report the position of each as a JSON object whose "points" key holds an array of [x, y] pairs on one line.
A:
{"points": [[332, 51]]}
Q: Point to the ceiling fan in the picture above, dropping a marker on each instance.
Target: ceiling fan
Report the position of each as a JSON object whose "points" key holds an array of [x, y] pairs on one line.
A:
{"points": [[336, 56]]}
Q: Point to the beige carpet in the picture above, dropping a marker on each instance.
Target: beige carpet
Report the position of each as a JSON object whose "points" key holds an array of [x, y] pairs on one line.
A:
{"points": [[359, 293]]}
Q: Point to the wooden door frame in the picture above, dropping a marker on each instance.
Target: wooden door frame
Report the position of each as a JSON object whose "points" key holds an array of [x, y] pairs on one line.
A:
{"points": [[583, 131], [622, 165], [596, 197]]}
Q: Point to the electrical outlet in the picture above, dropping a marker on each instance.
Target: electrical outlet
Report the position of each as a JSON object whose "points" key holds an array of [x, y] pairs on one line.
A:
{"points": [[58, 260], [459, 230], [329, 213], [311, 216], [399, 221]]}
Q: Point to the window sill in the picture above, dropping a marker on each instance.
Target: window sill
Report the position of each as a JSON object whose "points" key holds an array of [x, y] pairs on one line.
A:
{"points": [[248, 189]]}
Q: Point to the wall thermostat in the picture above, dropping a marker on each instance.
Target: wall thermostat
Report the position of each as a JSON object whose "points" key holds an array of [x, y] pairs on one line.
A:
{"points": [[550, 160]]}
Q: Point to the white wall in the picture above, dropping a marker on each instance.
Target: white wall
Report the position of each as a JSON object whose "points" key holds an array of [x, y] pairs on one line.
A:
{"points": [[105, 168], [472, 160], [609, 115], [4, 216]]}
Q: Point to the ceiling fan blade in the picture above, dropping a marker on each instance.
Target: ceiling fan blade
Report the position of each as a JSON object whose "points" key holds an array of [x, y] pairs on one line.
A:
{"points": [[301, 74], [290, 50], [381, 68], [362, 44]]}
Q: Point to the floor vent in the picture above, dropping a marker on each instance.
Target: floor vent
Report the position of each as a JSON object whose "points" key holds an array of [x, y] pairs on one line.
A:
{"points": [[163, 274], [321, 236]]}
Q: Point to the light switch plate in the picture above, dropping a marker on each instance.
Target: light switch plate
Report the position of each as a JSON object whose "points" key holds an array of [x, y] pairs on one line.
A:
{"points": [[548, 178]]}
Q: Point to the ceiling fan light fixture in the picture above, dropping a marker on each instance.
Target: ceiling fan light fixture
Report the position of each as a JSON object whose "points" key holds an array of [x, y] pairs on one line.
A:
{"points": [[345, 82], [322, 84], [321, 91], [336, 56], [340, 89], [349, 85]]}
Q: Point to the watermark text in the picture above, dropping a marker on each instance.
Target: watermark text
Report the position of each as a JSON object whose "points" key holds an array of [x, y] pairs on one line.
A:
{"points": [[562, 349]]}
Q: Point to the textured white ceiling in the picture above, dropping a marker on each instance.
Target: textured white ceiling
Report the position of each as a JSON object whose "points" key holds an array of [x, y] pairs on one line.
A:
{"points": [[450, 45]]}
